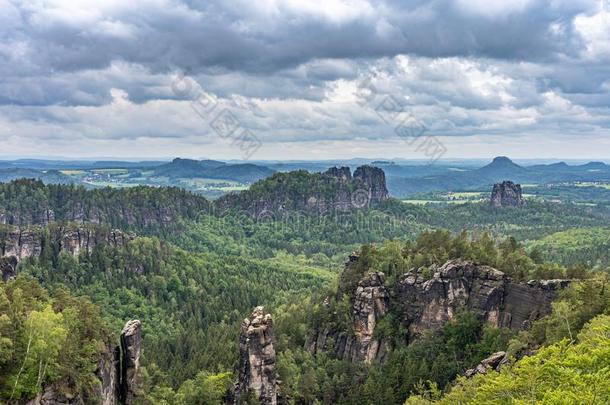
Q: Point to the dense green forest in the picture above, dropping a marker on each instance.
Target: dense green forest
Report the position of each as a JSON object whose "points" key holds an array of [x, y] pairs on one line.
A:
{"points": [[194, 271]]}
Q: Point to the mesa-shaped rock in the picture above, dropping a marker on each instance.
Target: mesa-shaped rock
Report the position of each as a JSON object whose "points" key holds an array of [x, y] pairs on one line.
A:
{"points": [[303, 192], [507, 194], [257, 375]]}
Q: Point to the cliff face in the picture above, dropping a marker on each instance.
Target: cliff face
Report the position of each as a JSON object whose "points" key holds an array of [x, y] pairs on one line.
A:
{"points": [[333, 190], [500, 302], [359, 345], [507, 194], [31, 203], [131, 348], [21, 243], [83, 239], [374, 179], [107, 372], [256, 370], [17, 244], [8, 267], [427, 304], [117, 372]]}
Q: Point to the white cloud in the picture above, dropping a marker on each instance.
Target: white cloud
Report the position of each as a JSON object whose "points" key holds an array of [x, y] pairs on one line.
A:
{"points": [[96, 75], [595, 31]]}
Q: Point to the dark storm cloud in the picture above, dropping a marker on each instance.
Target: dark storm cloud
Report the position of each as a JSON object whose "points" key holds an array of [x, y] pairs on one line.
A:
{"points": [[289, 68], [212, 35]]}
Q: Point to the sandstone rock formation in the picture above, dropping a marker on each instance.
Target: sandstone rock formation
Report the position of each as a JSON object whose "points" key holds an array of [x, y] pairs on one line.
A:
{"points": [[108, 370], [54, 395], [131, 348], [8, 266], [76, 240], [493, 362], [343, 173], [334, 190], [21, 243], [256, 370], [370, 304], [494, 297], [374, 179], [426, 303], [117, 368], [507, 194]]}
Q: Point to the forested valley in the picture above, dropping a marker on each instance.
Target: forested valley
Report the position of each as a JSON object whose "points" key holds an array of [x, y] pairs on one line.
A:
{"points": [[78, 264]]}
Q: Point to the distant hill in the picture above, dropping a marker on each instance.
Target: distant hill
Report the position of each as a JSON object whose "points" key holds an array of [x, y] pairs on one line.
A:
{"points": [[403, 184], [213, 169], [244, 173], [47, 177], [500, 167], [186, 168], [40, 164]]}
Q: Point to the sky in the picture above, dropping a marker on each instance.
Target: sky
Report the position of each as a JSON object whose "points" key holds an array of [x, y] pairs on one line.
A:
{"points": [[304, 79]]}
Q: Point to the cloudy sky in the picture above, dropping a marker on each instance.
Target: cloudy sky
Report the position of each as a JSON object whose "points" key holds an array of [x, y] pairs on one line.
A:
{"points": [[284, 79]]}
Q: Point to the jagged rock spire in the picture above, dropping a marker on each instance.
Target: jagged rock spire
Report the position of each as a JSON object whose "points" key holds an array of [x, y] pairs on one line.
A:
{"points": [[507, 193], [131, 348], [257, 375]]}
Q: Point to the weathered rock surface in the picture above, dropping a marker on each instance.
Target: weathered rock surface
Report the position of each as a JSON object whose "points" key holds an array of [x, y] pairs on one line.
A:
{"points": [[22, 243], [117, 370], [8, 267], [494, 297], [343, 173], [131, 348], [370, 304], [507, 194], [374, 179], [256, 370], [428, 303], [107, 372], [85, 239], [493, 362], [334, 190], [54, 395]]}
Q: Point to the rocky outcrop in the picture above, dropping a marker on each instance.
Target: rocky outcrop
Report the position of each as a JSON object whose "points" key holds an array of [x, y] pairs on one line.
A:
{"points": [[20, 243], [333, 191], [8, 267], [493, 362], [344, 173], [507, 194], [374, 179], [257, 375], [55, 395], [370, 304], [494, 297], [117, 372], [84, 239], [131, 348], [108, 372], [425, 303]]}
